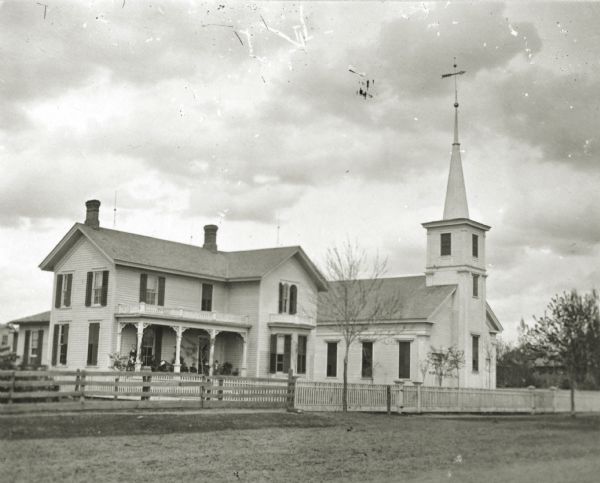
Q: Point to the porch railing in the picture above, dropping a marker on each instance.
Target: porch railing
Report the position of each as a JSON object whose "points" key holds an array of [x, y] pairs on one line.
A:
{"points": [[180, 313], [291, 319]]}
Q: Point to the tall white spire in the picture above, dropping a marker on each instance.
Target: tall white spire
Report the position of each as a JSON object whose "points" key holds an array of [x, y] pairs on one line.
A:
{"points": [[456, 195]]}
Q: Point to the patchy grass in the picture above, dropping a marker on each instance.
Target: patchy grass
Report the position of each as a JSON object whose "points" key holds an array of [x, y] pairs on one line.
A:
{"points": [[238, 446]]}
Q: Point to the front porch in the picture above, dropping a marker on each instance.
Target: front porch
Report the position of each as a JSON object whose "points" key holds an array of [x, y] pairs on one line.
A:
{"points": [[164, 339]]}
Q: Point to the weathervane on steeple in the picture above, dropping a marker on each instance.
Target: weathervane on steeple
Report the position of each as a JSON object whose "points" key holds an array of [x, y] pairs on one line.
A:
{"points": [[455, 74]]}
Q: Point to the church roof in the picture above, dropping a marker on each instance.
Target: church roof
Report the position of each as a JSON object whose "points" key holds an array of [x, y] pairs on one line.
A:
{"points": [[412, 298], [150, 253]]}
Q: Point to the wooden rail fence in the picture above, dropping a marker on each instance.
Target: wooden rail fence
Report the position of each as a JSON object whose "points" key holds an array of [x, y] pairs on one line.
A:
{"points": [[84, 387]]}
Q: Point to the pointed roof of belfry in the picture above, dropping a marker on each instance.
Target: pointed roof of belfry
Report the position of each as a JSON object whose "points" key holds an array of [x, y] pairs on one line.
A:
{"points": [[456, 195]]}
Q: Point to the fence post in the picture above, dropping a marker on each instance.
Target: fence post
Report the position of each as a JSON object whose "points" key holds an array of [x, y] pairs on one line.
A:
{"points": [[82, 387], [220, 397], [117, 379], [532, 392], [553, 389], [77, 379], [388, 397], [11, 388], [202, 390], [146, 380], [418, 384], [291, 390], [400, 404]]}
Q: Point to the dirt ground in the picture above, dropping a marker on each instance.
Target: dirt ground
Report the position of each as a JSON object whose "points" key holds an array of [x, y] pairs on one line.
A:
{"points": [[279, 446]]}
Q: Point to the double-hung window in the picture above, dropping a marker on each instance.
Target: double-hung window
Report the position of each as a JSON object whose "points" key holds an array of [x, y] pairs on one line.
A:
{"points": [[64, 282], [207, 296], [93, 339], [152, 289], [96, 291], [281, 350], [60, 344]]}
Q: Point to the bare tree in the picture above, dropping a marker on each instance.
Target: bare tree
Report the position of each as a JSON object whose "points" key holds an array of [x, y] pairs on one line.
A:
{"points": [[352, 305], [446, 362]]}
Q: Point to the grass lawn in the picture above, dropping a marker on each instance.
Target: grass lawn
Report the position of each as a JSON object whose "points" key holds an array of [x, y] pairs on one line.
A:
{"points": [[253, 446]]}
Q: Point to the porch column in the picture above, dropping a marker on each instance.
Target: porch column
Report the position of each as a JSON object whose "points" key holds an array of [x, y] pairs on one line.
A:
{"points": [[294, 354], [211, 354], [138, 354], [119, 331], [244, 368], [179, 334]]}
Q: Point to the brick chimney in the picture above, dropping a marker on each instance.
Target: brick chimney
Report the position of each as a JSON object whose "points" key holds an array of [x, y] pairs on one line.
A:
{"points": [[210, 237], [91, 215]]}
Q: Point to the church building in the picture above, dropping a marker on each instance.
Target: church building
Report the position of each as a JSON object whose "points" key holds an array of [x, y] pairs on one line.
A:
{"points": [[446, 308]]}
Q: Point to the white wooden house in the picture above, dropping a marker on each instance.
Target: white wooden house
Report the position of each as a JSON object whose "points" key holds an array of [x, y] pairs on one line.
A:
{"points": [[446, 307], [195, 307], [29, 337]]}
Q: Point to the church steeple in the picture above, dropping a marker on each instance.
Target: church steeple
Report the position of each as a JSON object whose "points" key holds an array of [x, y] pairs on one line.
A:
{"points": [[456, 195]]}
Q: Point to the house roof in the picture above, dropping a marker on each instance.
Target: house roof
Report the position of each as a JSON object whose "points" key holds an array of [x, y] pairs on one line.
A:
{"points": [[412, 299], [42, 317], [125, 248]]}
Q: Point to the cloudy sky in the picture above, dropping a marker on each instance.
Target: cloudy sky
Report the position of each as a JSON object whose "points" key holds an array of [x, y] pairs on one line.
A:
{"points": [[247, 115]]}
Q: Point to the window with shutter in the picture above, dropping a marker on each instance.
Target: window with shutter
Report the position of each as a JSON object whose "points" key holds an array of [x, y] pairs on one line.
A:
{"points": [[93, 340], [63, 341]]}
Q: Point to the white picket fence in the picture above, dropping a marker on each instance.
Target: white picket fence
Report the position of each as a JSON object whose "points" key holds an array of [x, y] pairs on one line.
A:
{"points": [[327, 396]]}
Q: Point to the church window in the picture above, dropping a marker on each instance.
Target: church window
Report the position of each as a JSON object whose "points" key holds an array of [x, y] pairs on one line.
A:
{"points": [[475, 285], [446, 244], [404, 360], [367, 359], [475, 246], [331, 359], [475, 352]]}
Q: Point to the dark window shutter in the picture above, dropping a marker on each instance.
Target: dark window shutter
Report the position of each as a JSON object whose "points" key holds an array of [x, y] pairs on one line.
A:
{"points": [[57, 295], [104, 299], [273, 361], [40, 347], [280, 298], [69, 283], [293, 299], [88, 289], [158, 335], [143, 285], [64, 348], [26, 348], [161, 290], [287, 352], [54, 344]]}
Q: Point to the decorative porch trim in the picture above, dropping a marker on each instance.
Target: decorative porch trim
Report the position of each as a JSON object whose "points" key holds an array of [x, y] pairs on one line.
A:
{"points": [[290, 325]]}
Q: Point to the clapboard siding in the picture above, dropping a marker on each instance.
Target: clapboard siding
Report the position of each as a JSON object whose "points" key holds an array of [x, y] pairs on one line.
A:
{"points": [[291, 272], [182, 292], [244, 300], [80, 259]]}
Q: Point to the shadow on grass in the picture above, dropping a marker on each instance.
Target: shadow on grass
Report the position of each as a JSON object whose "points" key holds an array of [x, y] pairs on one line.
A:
{"points": [[136, 423]]}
